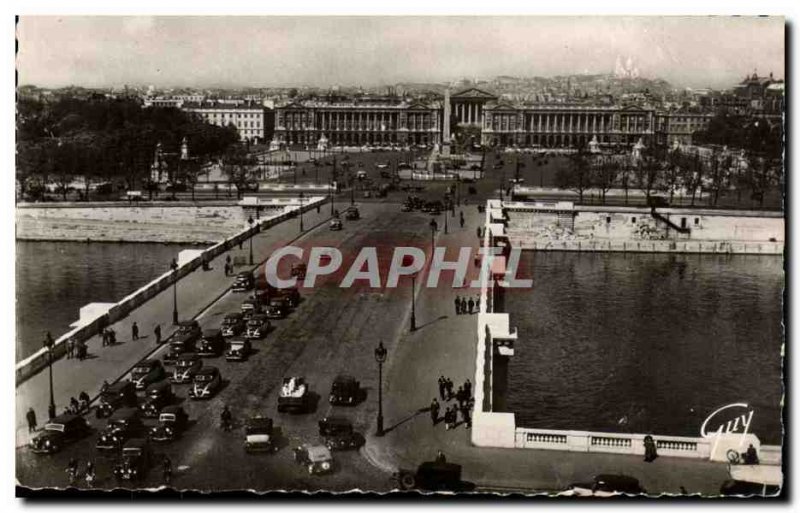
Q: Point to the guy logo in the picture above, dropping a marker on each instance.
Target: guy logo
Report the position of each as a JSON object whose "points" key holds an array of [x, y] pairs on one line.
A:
{"points": [[729, 427]]}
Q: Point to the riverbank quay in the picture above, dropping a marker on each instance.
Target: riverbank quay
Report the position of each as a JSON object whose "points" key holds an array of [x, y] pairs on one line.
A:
{"points": [[196, 290], [445, 344]]}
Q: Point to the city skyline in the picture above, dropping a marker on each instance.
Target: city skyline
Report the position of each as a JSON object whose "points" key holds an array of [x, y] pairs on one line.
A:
{"points": [[286, 51]]}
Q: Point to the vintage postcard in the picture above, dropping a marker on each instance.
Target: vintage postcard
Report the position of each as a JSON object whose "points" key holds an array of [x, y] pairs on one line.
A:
{"points": [[419, 255]]}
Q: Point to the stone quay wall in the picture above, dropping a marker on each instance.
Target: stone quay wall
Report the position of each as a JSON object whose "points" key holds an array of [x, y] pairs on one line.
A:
{"points": [[495, 343], [38, 361], [563, 226]]}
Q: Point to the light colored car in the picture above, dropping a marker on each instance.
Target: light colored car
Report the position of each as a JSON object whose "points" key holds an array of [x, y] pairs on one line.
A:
{"points": [[335, 224], [316, 458]]}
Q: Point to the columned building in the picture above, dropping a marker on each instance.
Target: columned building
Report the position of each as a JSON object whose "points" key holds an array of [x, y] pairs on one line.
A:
{"points": [[359, 122], [467, 106], [678, 127]]}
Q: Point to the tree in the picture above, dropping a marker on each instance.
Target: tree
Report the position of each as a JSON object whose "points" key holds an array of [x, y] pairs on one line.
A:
{"points": [[604, 175], [672, 173], [576, 176], [237, 165], [648, 171]]}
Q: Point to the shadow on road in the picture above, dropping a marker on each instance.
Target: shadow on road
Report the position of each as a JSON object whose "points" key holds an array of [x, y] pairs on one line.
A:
{"points": [[442, 317], [418, 412]]}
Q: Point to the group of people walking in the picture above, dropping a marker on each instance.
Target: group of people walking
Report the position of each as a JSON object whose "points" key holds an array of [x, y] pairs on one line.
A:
{"points": [[466, 306], [462, 406], [76, 349]]}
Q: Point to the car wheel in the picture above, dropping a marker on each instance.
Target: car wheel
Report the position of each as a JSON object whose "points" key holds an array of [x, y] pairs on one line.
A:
{"points": [[407, 481]]}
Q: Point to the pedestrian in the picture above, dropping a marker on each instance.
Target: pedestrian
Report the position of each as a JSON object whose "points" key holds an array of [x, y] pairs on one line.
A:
{"points": [[751, 456], [463, 305], [458, 305], [105, 386], [317, 208], [465, 414], [477, 304], [73, 405], [447, 418], [240, 243], [442, 387], [83, 398], [461, 218], [468, 389], [135, 331], [157, 332], [449, 386], [70, 348], [112, 337], [434, 411], [89, 475], [479, 231], [460, 396], [81, 350], [31, 417], [470, 305], [440, 457], [105, 337], [649, 449]]}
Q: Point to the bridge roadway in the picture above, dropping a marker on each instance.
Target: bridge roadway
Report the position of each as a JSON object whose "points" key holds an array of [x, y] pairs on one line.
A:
{"points": [[332, 331]]}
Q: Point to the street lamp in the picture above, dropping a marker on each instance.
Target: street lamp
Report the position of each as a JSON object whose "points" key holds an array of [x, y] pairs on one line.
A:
{"points": [[250, 222], [301, 211], [174, 266], [48, 344], [413, 302], [445, 220], [434, 227], [380, 357], [333, 184]]}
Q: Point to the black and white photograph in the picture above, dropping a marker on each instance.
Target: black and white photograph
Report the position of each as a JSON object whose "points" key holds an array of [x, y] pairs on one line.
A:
{"points": [[451, 255]]}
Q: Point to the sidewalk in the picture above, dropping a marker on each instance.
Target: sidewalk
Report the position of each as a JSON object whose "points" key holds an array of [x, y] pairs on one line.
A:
{"points": [[196, 292], [444, 344]]}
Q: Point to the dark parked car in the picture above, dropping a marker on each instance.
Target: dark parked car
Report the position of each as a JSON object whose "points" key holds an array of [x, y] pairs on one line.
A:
{"points": [[259, 435], [335, 225], [181, 343], [433, 475], [191, 328], [212, 343], [135, 461], [158, 395], [186, 367], [147, 372], [239, 349], [290, 294], [277, 309], [344, 390], [59, 432], [207, 382], [172, 421], [352, 214], [299, 271], [123, 425], [244, 281], [233, 324], [118, 395], [339, 435], [606, 485], [257, 326]]}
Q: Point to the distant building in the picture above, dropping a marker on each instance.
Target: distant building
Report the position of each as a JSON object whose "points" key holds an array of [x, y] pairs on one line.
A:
{"points": [[249, 119], [679, 126]]}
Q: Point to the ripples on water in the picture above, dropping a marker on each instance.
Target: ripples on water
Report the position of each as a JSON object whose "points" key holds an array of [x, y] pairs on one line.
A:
{"points": [[55, 279], [647, 343]]}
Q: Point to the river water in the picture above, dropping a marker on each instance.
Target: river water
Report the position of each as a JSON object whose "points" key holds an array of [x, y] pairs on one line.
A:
{"points": [[647, 343], [55, 279]]}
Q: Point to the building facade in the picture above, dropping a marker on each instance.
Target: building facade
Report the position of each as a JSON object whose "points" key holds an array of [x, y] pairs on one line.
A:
{"points": [[679, 126], [357, 123], [249, 119]]}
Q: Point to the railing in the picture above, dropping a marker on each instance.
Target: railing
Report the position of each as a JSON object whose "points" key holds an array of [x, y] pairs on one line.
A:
{"points": [[528, 241]]}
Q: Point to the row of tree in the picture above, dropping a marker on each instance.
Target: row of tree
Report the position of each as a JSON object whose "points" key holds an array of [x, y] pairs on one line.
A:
{"points": [[691, 174], [108, 141]]}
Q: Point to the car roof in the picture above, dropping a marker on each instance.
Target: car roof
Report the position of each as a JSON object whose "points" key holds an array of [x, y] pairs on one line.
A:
{"points": [[318, 453], [150, 362], [237, 340], [233, 315], [342, 421], [258, 317], [244, 273], [124, 413], [67, 418], [259, 422], [135, 443], [188, 356], [344, 378], [208, 370], [172, 408], [158, 384], [213, 332]]}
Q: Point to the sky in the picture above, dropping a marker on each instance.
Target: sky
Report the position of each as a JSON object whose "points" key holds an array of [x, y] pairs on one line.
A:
{"points": [[265, 51]]}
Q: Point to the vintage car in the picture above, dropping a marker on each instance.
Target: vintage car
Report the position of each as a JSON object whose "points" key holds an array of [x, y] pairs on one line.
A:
{"points": [[299, 270], [191, 328], [278, 308], [753, 480], [59, 432], [179, 344], [212, 343], [290, 294], [146, 372], [407, 207], [345, 390], [316, 458], [123, 425], [259, 435], [121, 393], [233, 324], [244, 281], [135, 461], [433, 476], [293, 395], [352, 214], [339, 435], [157, 396], [238, 350], [605, 485], [257, 326], [335, 224], [172, 421], [207, 382], [186, 367]]}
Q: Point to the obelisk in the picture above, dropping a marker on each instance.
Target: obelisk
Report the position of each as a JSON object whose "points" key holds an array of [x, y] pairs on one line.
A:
{"points": [[446, 132]]}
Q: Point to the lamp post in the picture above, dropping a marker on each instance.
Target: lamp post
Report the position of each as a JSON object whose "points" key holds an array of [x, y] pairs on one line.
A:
{"points": [[301, 211], [445, 219], [250, 222], [413, 302], [48, 344], [434, 227], [380, 357], [174, 267], [333, 183]]}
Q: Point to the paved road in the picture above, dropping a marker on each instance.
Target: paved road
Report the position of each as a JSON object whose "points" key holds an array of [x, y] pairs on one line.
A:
{"points": [[333, 331]]}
